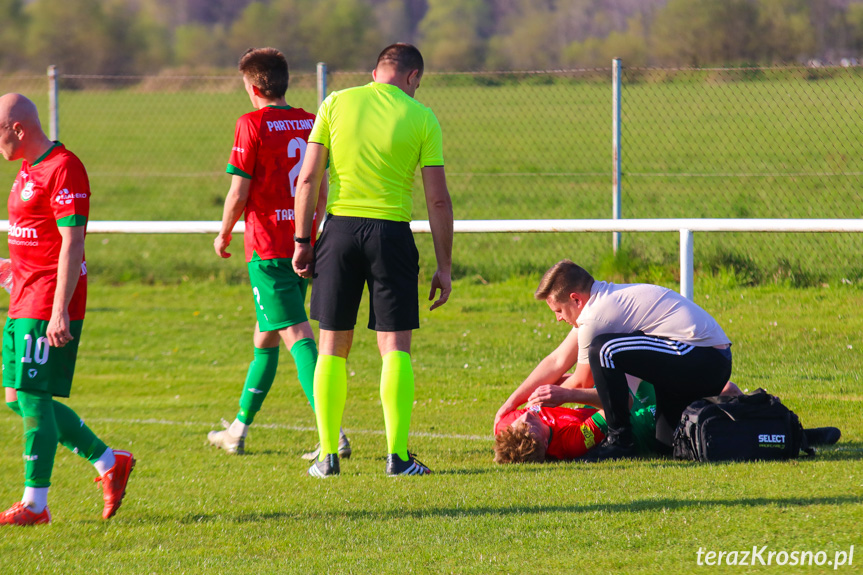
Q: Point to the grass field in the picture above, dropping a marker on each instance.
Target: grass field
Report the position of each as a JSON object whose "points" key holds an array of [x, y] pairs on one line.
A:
{"points": [[159, 365], [168, 336], [695, 144]]}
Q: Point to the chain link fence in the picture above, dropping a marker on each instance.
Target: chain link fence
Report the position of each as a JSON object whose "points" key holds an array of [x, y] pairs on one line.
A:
{"points": [[719, 143]]}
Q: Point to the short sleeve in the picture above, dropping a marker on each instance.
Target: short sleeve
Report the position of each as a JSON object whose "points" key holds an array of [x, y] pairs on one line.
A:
{"points": [[244, 152], [431, 153], [70, 199], [321, 130]]}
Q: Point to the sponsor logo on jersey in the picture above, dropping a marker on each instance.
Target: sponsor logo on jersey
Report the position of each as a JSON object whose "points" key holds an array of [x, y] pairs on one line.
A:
{"points": [[285, 125], [239, 149], [16, 231], [589, 437], [32, 372], [28, 192], [65, 197]]}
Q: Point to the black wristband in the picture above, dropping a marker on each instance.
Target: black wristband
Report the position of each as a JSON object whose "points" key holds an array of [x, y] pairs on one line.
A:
{"points": [[307, 240]]}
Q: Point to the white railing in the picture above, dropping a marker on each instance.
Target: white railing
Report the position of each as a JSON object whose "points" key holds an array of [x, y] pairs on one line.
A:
{"points": [[685, 227]]}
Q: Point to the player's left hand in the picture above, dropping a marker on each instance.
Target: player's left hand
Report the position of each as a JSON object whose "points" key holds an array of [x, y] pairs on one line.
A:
{"points": [[58, 332], [548, 395], [443, 282]]}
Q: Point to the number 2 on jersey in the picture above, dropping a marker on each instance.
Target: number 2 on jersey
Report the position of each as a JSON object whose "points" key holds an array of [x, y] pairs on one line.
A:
{"points": [[296, 149]]}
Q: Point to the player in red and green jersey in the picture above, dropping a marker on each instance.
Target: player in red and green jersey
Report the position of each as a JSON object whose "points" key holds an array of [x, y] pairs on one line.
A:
{"points": [[48, 210], [269, 147], [539, 432], [534, 434]]}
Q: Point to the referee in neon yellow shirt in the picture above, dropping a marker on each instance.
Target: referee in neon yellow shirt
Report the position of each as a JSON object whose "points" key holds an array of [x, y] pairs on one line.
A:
{"points": [[373, 137]]}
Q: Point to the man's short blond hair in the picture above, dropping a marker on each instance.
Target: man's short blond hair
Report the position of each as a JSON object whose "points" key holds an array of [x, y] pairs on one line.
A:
{"points": [[562, 279], [515, 444]]}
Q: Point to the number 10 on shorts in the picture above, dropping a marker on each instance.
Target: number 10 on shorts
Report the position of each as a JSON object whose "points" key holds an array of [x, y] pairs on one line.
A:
{"points": [[41, 350]]}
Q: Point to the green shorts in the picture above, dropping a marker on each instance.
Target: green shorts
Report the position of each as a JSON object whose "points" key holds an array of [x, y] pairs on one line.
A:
{"points": [[280, 294], [29, 363]]}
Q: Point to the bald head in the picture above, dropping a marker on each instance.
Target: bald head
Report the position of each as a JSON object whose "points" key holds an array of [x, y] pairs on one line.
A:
{"points": [[18, 108], [21, 134]]}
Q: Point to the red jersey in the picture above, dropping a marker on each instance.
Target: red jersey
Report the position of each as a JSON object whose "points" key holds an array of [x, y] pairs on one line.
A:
{"points": [[573, 431], [51, 193], [269, 147]]}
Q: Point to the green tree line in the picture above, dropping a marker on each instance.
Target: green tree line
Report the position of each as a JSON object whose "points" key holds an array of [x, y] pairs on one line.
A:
{"points": [[148, 36]]}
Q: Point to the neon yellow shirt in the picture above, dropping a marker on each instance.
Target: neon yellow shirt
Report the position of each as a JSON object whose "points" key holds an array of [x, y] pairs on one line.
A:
{"points": [[376, 136]]}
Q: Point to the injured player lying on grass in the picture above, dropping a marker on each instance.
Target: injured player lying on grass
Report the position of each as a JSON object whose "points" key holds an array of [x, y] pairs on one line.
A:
{"points": [[542, 432]]}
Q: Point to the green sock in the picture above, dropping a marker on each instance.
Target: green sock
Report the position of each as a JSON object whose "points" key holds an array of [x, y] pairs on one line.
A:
{"points": [[259, 380], [397, 397], [305, 354], [331, 393], [13, 405], [40, 436], [75, 436]]}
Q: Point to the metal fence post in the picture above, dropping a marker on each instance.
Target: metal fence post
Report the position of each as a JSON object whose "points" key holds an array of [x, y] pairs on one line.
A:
{"points": [[615, 174], [53, 104], [322, 83], [687, 265]]}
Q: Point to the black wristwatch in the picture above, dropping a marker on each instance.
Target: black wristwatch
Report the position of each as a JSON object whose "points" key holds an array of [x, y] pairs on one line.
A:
{"points": [[307, 240]]}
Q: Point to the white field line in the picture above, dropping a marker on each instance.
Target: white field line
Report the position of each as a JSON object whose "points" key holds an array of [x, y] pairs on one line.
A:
{"points": [[154, 421]]}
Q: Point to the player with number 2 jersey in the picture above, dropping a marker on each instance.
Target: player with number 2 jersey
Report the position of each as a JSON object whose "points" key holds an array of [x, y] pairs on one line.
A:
{"points": [[269, 147]]}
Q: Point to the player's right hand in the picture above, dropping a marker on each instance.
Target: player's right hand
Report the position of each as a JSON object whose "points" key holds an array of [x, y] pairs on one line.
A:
{"points": [[221, 243], [303, 260]]}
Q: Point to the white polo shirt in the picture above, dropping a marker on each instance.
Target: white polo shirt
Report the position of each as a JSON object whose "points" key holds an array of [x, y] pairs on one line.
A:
{"points": [[652, 309]]}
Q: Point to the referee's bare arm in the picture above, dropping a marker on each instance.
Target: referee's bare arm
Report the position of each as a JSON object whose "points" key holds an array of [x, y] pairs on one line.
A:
{"points": [[305, 202], [439, 207]]}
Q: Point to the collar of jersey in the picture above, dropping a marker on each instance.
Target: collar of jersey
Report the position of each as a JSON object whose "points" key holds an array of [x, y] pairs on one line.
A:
{"points": [[46, 154], [279, 107], [387, 87]]}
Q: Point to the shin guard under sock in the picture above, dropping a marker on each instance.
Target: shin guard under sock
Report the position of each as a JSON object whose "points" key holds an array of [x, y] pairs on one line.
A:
{"points": [[259, 380], [40, 436], [331, 391], [305, 354], [75, 435], [397, 397]]}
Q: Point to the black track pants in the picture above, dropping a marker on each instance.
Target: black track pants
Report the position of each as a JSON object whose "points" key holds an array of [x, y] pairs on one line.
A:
{"points": [[680, 374]]}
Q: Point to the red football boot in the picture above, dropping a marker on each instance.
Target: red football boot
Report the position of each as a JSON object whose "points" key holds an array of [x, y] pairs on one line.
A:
{"points": [[114, 482], [20, 514]]}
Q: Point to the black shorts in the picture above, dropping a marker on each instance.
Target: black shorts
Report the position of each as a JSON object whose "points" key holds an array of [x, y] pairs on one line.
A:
{"points": [[352, 252]]}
